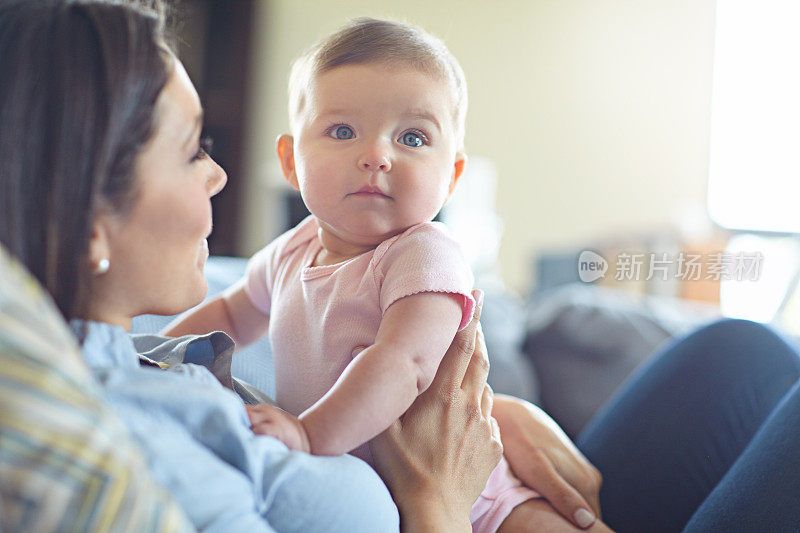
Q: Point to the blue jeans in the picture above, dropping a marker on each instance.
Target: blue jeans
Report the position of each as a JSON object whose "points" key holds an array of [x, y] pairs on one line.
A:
{"points": [[705, 437]]}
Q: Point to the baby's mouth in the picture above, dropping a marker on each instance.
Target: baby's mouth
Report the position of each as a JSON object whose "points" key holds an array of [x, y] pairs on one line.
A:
{"points": [[368, 191]]}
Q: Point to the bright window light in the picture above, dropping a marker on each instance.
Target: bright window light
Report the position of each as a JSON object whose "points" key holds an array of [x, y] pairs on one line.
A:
{"points": [[760, 299], [754, 167]]}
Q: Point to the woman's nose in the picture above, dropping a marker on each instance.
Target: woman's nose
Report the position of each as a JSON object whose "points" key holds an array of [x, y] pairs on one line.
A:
{"points": [[375, 158], [216, 179]]}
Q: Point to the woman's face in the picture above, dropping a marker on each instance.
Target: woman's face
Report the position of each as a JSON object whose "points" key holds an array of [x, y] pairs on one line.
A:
{"points": [[158, 249]]}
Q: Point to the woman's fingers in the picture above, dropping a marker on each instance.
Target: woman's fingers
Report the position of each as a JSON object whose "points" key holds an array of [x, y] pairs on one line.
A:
{"points": [[487, 400], [585, 480], [541, 455], [457, 358], [496, 437], [478, 368], [594, 502], [562, 496]]}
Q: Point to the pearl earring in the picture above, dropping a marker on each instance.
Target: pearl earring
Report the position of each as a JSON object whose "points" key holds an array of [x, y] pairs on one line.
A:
{"points": [[102, 266]]}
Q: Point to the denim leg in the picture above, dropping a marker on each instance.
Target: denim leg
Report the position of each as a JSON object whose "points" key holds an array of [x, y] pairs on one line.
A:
{"points": [[761, 491], [665, 441]]}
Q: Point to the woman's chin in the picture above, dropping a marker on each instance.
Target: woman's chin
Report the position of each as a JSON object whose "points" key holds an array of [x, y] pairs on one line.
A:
{"points": [[199, 294], [202, 256], [191, 297]]}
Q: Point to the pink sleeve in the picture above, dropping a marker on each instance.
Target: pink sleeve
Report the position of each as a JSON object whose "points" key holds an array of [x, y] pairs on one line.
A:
{"points": [[424, 259], [258, 278], [262, 267]]}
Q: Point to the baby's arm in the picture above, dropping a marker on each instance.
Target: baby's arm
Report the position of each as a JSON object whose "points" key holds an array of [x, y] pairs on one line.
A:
{"points": [[231, 312], [382, 382]]}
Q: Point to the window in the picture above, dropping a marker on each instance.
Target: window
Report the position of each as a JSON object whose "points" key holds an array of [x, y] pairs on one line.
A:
{"points": [[754, 166]]}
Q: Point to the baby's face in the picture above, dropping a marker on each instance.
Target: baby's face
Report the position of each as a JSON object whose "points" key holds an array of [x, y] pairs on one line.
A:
{"points": [[375, 150]]}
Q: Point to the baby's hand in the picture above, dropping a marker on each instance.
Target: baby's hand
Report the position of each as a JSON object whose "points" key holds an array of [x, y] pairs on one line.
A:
{"points": [[269, 420]]}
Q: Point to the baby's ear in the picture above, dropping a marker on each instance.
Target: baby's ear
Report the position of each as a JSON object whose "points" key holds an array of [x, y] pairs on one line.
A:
{"points": [[458, 169], [285, 148]]}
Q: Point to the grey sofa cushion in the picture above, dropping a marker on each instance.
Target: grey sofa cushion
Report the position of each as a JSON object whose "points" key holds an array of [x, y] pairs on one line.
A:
{"points": [[503, 324], [585, 340]]}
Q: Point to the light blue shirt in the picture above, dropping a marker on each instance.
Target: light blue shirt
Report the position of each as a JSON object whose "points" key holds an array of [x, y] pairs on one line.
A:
{"points": [[197, 440]]}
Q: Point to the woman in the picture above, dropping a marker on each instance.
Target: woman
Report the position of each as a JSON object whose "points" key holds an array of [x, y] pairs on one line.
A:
{"points": [[105, 188]]}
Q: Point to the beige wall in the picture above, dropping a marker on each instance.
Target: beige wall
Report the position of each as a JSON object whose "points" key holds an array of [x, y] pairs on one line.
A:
{"points": [[596, 112]]}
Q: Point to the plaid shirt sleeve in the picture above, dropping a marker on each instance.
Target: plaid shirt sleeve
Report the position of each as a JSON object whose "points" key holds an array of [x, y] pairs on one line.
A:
{"points": [[66, 462]]}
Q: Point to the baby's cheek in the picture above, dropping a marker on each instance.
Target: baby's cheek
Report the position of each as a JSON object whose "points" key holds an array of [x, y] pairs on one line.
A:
{"points": [[318, 189], [424, 204], [317, 174]]}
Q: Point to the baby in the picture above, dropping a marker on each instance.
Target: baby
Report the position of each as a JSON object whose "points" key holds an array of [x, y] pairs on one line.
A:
{"points": [[377, 115]]}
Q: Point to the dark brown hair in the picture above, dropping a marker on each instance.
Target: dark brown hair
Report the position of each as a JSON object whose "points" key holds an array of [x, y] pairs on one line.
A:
{"points": [[80, 80]]}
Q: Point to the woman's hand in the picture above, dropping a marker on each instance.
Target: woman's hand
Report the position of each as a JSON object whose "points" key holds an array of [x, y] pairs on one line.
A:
{"points": [[437, 457], [543, 457]]}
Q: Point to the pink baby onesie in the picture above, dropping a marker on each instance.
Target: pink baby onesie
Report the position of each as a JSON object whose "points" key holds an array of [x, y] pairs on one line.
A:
{"points": [[320, 314]]}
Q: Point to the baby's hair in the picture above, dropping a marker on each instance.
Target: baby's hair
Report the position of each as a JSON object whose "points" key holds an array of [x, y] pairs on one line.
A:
{"points": [[368, 40]]}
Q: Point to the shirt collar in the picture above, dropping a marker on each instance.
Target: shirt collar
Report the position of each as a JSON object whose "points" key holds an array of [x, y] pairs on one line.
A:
{"points": [[104, 345]]}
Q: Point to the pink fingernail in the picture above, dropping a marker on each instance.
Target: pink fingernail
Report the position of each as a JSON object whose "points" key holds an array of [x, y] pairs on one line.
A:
{"points": [[584, 518], [478, 294]]}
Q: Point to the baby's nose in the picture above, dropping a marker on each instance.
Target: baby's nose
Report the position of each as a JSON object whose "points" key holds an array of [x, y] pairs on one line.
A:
{"points": [[375, 163], [375, 159], [382, 164]]}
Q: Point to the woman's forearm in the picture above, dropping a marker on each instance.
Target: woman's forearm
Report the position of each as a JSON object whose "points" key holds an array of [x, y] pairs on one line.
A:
{"points": [[424, 516], [546, 460]]}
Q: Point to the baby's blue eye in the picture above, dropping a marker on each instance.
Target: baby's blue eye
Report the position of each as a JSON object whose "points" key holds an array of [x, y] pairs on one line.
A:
{"points": [[342, 132], [411, 138]]}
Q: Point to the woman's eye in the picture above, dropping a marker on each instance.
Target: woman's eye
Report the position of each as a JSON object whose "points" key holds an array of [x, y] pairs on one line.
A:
{"points": [[341, 132], [204, 150], [412, 138]]}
